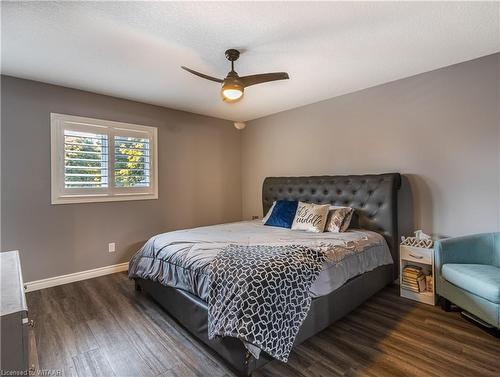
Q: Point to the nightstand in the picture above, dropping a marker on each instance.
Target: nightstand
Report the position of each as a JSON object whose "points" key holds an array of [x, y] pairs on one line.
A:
{"points": [[423, 258]]}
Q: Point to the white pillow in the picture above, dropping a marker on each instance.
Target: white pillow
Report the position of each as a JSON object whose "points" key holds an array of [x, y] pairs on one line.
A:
{"points": [[310, 217], [339, 219], [264, 219]]}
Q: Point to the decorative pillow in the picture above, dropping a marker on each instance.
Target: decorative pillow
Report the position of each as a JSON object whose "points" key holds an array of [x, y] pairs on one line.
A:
{"points": [[265, 218], [339, 219], [310, 217], [283, 213]]}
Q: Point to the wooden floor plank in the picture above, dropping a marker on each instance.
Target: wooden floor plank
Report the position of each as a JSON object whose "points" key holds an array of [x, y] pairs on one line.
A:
{"points": [[103, 327], [411, 333], [92, 363]]}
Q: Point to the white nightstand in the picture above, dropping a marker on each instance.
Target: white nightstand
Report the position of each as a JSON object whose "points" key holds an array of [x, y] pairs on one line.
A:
{"points": [[423, 258]]}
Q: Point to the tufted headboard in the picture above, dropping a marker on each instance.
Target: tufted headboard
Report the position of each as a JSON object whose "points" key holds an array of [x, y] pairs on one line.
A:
{"points": [[373, 196]]}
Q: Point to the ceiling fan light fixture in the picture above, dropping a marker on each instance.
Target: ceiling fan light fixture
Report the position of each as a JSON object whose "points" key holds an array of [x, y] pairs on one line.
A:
{"points": [[233, 86], [232, 92]]}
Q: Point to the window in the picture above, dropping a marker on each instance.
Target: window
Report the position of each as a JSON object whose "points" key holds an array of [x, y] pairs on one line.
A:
{"points": [[97, 160]]}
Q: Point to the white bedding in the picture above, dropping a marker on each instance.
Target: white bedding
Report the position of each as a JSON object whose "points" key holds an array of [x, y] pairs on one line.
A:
{"points": [[181, 258]]}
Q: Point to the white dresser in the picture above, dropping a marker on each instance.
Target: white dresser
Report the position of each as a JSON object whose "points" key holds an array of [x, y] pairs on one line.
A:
{"points": [[14, 316]]}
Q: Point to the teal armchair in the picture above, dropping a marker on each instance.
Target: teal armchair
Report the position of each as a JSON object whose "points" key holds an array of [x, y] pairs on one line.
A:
{"points": [[468, 274]]}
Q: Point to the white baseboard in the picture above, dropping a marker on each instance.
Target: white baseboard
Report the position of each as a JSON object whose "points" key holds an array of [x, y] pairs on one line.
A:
{"points": [[77, 276]]}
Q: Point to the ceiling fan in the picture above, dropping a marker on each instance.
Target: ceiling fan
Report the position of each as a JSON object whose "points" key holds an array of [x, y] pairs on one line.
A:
{"points": [[233, 85]]}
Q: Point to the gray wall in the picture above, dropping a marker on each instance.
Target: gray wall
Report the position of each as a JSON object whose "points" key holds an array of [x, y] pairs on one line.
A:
{"points": [[440, 129], [199, 180]]}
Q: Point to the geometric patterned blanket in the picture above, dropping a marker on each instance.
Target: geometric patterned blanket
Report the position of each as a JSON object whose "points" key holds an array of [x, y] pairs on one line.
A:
{"points": [[260, 294]]}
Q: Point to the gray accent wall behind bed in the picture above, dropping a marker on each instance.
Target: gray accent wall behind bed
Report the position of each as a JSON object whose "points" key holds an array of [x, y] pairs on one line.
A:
{"points": [[439, 129]]}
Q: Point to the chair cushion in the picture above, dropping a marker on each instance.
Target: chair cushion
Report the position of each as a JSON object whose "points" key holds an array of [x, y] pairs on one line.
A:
{"points": [[480, 279]]}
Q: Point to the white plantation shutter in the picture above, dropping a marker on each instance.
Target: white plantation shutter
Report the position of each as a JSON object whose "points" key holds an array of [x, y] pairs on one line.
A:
{"points": [[98, 160], [132, 161], [85, 160]]}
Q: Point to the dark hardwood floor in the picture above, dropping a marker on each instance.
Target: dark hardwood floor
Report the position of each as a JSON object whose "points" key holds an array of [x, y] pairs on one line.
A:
{"points": [[102, 327]]}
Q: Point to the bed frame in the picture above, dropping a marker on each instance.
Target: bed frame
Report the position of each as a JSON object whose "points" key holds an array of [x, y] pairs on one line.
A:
{"points": [[375, 199]]}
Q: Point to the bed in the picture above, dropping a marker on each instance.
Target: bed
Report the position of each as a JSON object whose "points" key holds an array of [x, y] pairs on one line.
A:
{"points": [[172, 267]]}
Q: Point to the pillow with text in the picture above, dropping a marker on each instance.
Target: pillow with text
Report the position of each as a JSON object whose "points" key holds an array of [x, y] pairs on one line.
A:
{"points": [[310, 217]]}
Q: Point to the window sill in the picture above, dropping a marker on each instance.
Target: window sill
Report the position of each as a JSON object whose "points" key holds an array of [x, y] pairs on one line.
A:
{"points": [[73, 199]]}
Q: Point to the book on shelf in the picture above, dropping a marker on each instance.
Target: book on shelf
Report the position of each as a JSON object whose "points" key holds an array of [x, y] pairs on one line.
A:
{"points": [[429, 283], [411, 277], [410, 288], [418, 287], [414, 285], [410, 280], [414, 279], [412, 268], [421, 284]]}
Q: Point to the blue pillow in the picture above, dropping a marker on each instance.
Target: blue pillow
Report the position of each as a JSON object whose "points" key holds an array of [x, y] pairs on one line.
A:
{"points": [[283, 213]]}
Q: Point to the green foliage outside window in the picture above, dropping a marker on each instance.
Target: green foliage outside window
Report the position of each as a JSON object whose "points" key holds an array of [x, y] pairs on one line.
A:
{"points": [[86, 161], [131, 162]]}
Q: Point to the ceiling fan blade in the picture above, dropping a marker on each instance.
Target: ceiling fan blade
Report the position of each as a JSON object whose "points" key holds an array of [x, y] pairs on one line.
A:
{"points": [[202, 75], [263, 77]]}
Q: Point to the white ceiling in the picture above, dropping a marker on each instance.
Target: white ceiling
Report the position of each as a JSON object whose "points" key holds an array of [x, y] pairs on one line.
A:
{"points": [[134, 49]]}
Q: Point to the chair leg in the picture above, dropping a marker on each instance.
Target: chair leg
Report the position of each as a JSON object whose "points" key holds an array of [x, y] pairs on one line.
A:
{"points": [[445, 304], [481, 324], [138, 288]]}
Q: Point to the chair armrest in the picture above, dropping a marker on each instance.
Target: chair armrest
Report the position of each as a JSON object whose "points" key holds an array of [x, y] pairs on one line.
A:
{"points": [[473, 249]]}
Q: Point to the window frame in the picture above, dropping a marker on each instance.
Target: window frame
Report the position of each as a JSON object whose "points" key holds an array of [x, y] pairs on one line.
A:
{"points": [[62, 195]]}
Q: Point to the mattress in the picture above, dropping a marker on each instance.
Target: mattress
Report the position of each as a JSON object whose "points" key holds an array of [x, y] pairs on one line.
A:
{"points": [[181, 259]]}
